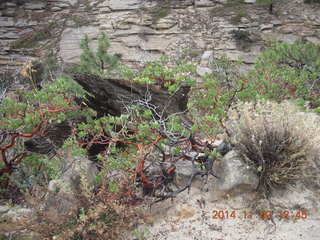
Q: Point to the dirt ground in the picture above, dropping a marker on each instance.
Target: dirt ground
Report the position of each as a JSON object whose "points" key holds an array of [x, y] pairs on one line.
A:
{"points": [[210, 215]]}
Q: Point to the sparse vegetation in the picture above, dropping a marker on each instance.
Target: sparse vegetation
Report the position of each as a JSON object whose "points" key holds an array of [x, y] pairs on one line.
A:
{"points": [[31, 39], [235, 10], [243, 38], [159, 12], [241, 35], [236, 19], [79, 21]]}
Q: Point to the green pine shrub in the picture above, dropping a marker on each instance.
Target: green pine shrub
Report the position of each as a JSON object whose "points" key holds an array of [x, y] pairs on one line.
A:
{"points": [[211, 98], [287, 71], [97, 62], [159, 72], [32, 113]]}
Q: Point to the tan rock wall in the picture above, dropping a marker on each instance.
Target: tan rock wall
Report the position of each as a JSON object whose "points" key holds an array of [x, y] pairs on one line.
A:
{"points": [[144, 30]]}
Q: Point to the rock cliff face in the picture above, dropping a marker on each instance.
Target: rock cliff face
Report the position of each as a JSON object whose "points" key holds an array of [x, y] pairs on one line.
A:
{"points": [[142, 30]]}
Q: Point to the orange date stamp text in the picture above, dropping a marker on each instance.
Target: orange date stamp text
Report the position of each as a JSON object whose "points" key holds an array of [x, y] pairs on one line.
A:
{"points": [[262, 214]]}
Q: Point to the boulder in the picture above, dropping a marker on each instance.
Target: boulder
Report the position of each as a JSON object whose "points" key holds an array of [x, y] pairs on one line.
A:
{"points": [[184, 171], [297, 198], [62, 200], [14, 218], [235, 175]]}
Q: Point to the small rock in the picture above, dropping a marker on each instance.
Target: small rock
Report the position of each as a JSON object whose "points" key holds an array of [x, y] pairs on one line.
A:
{"points": [[117, 5], [164, 23], [245, 20], [314, 40], [194, 154], [223, 148], [204, 3], [235, 175], [206, 58], [22, 235], [123, 26], [10, 35], [9, 4], [62, 5], [71, 2], [184, 172], [289, 38], [266, 26], [276, 22], [203, 70], [56, 9], [37, 5], [287, 29], [307, 33], [184, 168]]}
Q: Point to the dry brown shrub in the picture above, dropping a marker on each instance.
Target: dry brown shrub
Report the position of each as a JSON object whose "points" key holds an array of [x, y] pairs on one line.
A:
{"points": [[279, 141], [110, 215]]}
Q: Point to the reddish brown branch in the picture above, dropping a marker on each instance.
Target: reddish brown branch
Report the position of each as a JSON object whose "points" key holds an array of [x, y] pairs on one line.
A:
{"points": [[13, 141], [34, 131], [17, 159], [146, 183], [4, 159]]}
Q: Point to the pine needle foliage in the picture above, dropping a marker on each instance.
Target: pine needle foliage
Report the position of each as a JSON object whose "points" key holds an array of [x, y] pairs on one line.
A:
{"points": [[97, 62], [288, 71]]}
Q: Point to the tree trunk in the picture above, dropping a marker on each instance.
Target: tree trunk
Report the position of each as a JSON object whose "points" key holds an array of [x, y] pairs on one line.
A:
{"points": [[112, 96]]}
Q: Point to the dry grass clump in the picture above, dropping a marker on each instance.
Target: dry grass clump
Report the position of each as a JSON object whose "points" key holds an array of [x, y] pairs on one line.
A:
{"points": [[278, 141]]}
